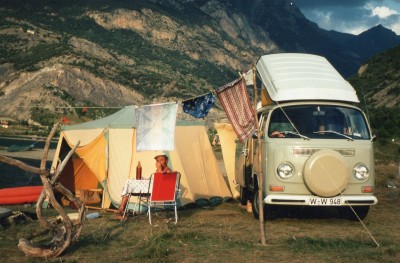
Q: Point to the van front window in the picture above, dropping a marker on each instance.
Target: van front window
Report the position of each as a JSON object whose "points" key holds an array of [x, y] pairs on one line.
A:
{"points": [[318, 122]]}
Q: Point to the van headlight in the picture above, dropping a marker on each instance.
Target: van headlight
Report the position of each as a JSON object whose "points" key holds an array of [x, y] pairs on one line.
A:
{"points": [[360, 171], [285, 170]]}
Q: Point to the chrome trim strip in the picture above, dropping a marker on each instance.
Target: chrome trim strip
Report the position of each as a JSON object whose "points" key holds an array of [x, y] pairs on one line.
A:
{"points": [[304, 151]]}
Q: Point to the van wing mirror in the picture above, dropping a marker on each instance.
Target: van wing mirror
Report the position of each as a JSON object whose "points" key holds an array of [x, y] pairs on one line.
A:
{"points": [[374, 136]]}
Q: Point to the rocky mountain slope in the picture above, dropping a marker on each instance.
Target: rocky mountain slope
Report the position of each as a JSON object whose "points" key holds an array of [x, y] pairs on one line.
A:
{"points": [[55, 54]]}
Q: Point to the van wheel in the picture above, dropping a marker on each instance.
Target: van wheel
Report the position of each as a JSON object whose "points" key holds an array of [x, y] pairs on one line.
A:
{"points": [[361, 211], [270, 211]]}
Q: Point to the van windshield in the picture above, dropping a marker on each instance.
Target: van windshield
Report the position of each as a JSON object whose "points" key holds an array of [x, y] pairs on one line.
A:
{"points": [[318, 122]]}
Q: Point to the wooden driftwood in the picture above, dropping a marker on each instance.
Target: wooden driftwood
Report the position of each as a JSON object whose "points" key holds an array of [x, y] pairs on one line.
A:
{"points": [[64, 232]]}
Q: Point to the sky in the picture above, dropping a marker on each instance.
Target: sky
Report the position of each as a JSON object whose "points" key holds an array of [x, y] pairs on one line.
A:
{"points": [[352, 16]]}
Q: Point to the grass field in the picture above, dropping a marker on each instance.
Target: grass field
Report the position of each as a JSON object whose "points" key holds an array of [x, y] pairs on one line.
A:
{"points": [[227, 233]]}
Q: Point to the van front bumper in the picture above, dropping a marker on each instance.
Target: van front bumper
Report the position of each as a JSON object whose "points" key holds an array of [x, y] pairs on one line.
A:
{"points": [[311, 200]]}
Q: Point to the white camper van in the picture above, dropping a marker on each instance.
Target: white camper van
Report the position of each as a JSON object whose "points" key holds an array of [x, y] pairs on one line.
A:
{"points": [[317, 147]]}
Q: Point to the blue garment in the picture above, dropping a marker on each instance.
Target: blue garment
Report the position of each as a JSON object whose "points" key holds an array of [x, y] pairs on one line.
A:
{"points": [[200, 106]]}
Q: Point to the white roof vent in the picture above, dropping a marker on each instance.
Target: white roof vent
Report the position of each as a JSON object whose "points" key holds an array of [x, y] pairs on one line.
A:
{"points": [[294, 76]]}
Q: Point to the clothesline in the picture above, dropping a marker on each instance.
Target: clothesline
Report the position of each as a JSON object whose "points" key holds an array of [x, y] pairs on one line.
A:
{"points": [[199, 96]]}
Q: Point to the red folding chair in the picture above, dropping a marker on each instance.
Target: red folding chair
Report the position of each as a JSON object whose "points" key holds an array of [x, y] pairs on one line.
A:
{"points": [[164, 189]]}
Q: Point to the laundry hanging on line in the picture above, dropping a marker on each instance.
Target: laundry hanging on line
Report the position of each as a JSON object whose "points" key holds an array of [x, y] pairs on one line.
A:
{"points": [[199, 106], [155, 127], [248, 77], [236, 103]]}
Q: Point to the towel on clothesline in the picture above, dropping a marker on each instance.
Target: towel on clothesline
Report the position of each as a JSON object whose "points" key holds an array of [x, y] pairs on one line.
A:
{"points": [[155, 127], [235, 100]]}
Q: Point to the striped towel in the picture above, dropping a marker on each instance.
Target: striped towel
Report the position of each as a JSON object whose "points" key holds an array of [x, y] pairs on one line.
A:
{"points": [[235, 100]]}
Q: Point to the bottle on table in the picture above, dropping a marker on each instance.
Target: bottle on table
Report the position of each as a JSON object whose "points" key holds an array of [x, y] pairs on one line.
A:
{"points": [[139, 171]]}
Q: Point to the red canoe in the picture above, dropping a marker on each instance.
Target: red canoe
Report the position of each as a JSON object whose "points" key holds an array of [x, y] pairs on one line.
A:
{"points": [[20, 195]]}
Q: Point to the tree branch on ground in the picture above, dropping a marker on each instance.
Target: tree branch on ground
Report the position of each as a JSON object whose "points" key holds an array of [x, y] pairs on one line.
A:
{"points": [[64, 231]]}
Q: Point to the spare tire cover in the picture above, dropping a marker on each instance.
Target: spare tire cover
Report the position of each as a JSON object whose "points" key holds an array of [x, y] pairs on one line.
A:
{"points": [[326, 173]]}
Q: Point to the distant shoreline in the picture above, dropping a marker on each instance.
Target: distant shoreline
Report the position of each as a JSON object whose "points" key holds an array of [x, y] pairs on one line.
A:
{"points": [[27, 137], [35, 154]]}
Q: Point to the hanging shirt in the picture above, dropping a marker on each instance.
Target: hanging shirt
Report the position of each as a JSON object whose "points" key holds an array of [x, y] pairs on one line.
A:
{"points": [[200, 106]]}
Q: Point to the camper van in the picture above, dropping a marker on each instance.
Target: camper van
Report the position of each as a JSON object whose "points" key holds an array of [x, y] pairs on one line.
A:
{"points": [[316, 145]]}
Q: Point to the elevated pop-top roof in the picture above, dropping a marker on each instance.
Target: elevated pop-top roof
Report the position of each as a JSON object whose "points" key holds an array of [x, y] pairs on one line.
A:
{"points": [[293, 76]]}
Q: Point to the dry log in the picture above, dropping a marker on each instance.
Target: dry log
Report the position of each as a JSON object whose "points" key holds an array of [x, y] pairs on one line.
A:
{"points": [[64, 232]]}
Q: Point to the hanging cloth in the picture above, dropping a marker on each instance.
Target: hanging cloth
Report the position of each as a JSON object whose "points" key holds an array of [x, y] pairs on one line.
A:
{"points": [[156, 127], [235, 100], [199, 106]]}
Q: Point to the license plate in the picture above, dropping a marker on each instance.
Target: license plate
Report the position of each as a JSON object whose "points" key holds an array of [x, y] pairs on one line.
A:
{"points": [[318, 201]]}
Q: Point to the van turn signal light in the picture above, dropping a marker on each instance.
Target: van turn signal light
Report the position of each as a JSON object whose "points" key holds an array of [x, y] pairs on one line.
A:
{"points": [[367, 189], [276, 188]]}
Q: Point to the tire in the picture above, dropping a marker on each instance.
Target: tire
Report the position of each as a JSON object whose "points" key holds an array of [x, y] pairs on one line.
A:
{"points": [[270, 211], [361, 211]]}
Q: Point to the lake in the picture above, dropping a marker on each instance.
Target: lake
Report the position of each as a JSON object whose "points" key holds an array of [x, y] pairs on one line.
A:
{"points": [[11, 176]]}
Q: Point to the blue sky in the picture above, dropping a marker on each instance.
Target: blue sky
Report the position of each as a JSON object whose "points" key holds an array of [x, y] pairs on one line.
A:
{"points": [[352, 16]]}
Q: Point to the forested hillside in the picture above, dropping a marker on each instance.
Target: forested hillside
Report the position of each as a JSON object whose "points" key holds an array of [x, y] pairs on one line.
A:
{"points": [[378, 86]]}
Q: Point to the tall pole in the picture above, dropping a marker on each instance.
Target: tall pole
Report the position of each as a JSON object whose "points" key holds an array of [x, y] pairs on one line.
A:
{"points": [[259, 168]]}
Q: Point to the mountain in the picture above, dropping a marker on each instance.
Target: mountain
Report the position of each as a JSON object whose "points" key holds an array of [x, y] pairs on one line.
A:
{"points": [[367, 43], [58, 56], [378, 86]]}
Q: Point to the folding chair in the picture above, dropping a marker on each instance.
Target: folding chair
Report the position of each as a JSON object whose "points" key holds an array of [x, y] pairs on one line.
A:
{"points": [[164, 189], [141, 189]]}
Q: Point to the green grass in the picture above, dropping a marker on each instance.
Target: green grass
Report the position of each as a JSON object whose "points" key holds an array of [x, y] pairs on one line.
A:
{"points": [[228, 233], [223, 233]]}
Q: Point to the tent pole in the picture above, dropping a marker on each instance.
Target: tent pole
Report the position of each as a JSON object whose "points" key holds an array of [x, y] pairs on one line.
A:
{"points": [[259, 168]]}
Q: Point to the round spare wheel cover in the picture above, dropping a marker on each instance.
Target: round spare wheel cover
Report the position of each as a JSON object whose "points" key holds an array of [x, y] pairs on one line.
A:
{"points": [[326, 173]]}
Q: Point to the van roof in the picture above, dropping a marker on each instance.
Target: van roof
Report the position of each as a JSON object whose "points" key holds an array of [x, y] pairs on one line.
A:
{"points": [[295, 76]]}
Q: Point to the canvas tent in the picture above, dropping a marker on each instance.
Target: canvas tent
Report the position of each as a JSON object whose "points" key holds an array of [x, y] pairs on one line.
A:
{"points": [[228, 139], [107, 156]]}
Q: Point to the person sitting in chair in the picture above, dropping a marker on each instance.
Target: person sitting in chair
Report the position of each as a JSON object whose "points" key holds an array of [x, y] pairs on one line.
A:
{"points": [[162, 164], [161, 167]]}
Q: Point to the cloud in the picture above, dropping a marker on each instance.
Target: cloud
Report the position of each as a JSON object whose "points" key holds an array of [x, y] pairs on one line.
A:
{"points": [[352, 16], [324, 18], [382, 12], [393, 22], [396, 28]]}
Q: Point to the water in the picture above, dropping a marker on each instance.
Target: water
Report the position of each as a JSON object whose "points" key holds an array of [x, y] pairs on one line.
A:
{"points": [[11, 176], [8, 141]]}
